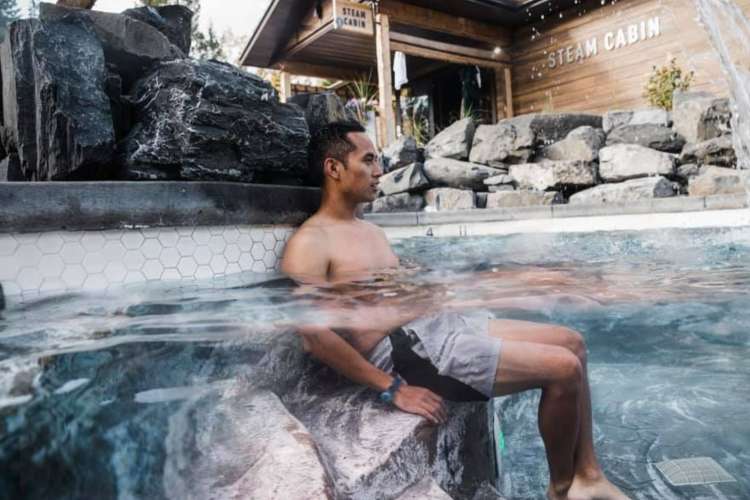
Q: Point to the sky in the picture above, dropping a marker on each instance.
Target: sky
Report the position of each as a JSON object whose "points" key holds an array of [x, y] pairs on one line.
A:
{"points": [[238, 16]]}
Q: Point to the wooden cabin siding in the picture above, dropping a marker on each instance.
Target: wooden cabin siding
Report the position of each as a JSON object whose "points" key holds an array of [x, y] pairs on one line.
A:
{"points": [[612, 79]]}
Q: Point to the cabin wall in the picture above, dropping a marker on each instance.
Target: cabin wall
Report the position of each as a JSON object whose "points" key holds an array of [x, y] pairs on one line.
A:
{"points": [[603, 74]]}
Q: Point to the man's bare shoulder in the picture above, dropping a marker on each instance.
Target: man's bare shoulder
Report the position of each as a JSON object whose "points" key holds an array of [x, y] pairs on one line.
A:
{"points": [[306, 254], [374, 228]]}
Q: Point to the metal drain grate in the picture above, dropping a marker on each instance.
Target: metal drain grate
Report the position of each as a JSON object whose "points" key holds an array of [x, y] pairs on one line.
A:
{"points": [[692, 471]]}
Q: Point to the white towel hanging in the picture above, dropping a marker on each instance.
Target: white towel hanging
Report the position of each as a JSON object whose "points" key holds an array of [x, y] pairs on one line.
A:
{"points": [[399, 70], [479, 77]]}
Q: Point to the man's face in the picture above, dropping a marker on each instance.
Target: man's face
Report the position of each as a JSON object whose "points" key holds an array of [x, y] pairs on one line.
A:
{"points": [[359, 180]]}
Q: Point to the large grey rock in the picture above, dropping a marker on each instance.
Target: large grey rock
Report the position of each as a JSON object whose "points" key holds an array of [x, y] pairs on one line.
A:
{"points": [[502, 182], [717, 180], [10, 169], [718, 151], [403, 180], [205, 120], [237, 442], [487, 492], [688, 170], [131, 47], [174, 21], [699, 116], [400, 153], [651, 136], [553, 127], [622, 192], [582, 144], [522, 198], [438, 199], [458, 174], [513, 140], [505, 142], [426, 489], [322, 109], [75, 135], [452, 142], [19, 100], [401, 202], [498, 180], [629, 161], [645, 116], [497, 188], [553, 174], [372, 450]]}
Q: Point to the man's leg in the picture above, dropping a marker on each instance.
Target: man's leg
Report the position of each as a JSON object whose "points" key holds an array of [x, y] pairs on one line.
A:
{"points": [[588, 474], [541, 333], [557, 371]]}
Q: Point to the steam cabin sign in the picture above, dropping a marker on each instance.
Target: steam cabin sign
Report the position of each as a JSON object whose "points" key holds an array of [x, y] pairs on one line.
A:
{"points": [[352, 17], [612, 40]]}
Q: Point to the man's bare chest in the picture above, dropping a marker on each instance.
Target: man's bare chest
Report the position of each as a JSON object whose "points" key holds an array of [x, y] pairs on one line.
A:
{"points": [[352, 253]]}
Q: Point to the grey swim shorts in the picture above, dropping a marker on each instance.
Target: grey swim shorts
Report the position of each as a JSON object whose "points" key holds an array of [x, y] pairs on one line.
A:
{"points": [[457, 345]]}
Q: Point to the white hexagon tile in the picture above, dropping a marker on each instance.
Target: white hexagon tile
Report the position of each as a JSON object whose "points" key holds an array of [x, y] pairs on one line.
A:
{"points": [[34, 263]]}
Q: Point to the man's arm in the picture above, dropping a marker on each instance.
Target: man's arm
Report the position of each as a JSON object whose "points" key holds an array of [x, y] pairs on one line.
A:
{"points": [[326, 346]]}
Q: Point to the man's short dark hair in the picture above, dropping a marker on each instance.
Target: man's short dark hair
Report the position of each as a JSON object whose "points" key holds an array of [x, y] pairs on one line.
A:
{"points": [[330, 142]]}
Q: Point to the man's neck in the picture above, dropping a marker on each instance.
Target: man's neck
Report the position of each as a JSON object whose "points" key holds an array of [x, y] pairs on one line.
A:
{"points": [[337, 208]]}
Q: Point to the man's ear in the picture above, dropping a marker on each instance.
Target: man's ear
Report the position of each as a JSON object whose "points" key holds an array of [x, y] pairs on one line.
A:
{"points": [[332, 168]]}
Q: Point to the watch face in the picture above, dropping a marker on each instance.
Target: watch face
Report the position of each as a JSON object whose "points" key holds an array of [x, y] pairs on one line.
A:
{"points": [[386, 396]]}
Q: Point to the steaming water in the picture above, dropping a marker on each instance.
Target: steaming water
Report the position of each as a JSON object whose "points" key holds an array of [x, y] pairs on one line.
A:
{"points": [[729, 31], [90, 385]]}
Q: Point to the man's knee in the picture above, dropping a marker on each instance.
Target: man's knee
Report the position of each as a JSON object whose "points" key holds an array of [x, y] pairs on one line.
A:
{"points": [[568, 372], [573, 341]]}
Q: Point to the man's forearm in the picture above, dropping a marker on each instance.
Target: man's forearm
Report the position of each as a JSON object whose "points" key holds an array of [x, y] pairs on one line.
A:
{"points": [[326, 346]]}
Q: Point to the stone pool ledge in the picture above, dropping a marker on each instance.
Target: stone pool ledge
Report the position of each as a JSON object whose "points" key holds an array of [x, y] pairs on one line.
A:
{"points": [[61, 237], [678, 212], [71, 206]]}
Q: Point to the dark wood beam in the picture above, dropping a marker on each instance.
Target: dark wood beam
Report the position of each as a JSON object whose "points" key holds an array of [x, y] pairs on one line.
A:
{"points": [[435, 20]]}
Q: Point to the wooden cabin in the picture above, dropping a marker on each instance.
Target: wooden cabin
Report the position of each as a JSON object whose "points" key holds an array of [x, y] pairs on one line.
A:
{"points": [[526, 56]]}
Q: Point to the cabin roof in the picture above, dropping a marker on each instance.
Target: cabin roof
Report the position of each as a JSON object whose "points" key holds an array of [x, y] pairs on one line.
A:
{"points": [[282, 17]]}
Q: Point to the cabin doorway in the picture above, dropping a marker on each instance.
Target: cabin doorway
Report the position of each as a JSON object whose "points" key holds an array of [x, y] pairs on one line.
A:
{"points": [[438, 94]]}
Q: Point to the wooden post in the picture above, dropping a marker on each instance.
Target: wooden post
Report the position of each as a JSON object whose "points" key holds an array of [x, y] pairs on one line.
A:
{"points": [[508, 94], [286, 86], [385, 81]]}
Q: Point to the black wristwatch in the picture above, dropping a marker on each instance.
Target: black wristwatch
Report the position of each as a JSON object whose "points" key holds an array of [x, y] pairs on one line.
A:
{"points": [[388, 395]]}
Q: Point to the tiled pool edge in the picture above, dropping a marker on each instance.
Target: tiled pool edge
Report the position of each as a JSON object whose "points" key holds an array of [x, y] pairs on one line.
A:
{"points": [[34, 264], [87, 237], [682, 212]]}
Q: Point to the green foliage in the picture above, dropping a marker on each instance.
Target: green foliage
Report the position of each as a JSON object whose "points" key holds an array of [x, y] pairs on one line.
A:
{"points": [[467, 111], [8, 12], [415, 121], [364, 93], [663, 83], [419, 127], [207, 45], [204, 45]]}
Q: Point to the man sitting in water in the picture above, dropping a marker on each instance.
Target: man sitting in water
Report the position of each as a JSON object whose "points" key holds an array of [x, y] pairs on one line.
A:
{"points": [[454, 355]]}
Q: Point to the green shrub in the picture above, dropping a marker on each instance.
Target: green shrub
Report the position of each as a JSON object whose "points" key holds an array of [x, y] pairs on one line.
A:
{"points": [[663, 83]]}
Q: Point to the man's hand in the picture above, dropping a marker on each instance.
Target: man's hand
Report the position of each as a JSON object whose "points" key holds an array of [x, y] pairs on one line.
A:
{"points": [[420, 401]]}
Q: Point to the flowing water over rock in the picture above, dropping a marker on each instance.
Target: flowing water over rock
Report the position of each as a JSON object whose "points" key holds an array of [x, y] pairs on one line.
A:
{"points": [[729, 30]]}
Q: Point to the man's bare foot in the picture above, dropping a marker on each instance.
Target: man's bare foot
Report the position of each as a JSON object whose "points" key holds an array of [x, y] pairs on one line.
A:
{"points": [[596, 488]]}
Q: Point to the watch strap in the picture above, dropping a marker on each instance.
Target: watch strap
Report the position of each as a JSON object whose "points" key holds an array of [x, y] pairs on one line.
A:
{"points": [[388, 395]]}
